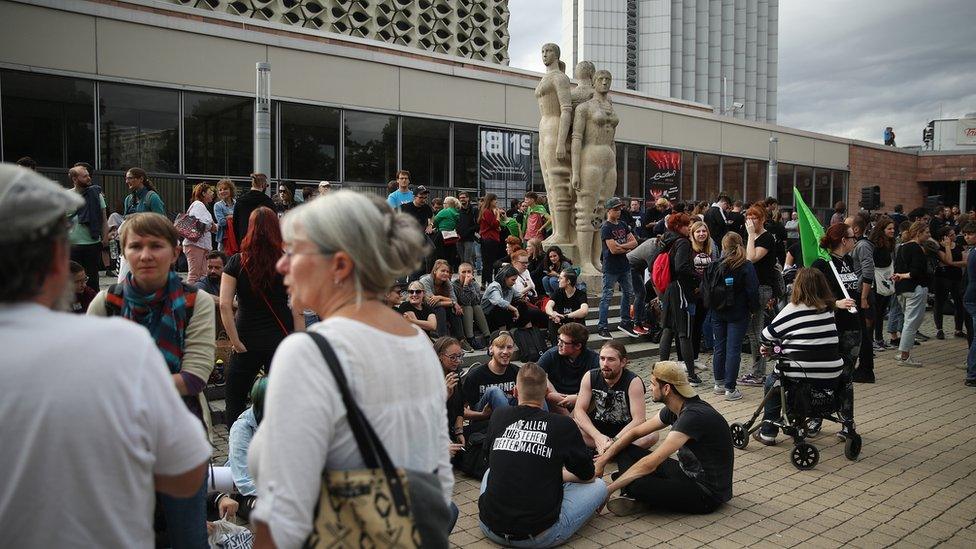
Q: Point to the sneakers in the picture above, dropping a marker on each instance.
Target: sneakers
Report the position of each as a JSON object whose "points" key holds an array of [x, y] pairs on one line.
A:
{"points": [[939, 334], [750, 380], [700, 365], [624, 506], [879, 346], [763, 439], [640, 330], [718, 390], [629, 330], [604, 333], [959, 333], [694, 380], [733, 395], [907, 361]]}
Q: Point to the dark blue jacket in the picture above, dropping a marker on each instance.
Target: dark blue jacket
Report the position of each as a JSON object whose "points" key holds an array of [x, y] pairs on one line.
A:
{"points": [[746, 290]]}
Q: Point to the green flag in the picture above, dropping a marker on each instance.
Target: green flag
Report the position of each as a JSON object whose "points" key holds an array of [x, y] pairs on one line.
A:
{"points": [[810, 232]]}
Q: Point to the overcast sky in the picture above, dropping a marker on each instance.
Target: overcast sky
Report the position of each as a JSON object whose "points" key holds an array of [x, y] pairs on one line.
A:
{"points": [[846, 68]]}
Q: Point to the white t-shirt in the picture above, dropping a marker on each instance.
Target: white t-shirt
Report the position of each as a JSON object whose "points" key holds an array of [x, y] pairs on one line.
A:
{"points": [[396, 381], [89, 414], [199, 210]]}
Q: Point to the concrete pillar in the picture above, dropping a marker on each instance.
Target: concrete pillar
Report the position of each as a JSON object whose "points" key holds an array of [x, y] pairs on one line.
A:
{"points": [[771, 185]]}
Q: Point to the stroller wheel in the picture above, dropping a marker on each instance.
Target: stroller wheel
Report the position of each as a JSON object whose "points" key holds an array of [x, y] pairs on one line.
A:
{"points": [[852, 448], [740, 437], [805, 456]]}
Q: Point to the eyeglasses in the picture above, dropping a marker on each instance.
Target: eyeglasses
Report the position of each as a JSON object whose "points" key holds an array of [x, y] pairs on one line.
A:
{"points": [[415, 292], [455, 357], [82, 279]]}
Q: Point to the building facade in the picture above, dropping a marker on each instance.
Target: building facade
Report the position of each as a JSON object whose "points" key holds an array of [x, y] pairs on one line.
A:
{"points": [[476, 29], [723, 53]]}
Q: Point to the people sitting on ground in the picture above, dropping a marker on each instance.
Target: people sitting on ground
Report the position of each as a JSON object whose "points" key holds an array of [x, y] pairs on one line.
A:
{"points": [[449, 353], [490, 386], [238, 443], [611, 401], [89, 405], [566, 364], [527, 295], [342, 253], [439, 293], [541, 486], [806, 332], [498, 303], [536, 263], [512, 245], [183, 326], [700, 479], [468, 294], [83, 294], [567, 303], [215, 268], [416, 310], [394, 296], [555, 263]]}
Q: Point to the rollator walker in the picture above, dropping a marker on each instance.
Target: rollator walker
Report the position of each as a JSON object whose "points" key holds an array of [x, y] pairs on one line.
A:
{"points": [[803, 407]]}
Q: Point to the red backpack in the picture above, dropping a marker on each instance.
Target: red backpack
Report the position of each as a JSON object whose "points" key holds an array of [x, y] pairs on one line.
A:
{"points": [[661, 271]]}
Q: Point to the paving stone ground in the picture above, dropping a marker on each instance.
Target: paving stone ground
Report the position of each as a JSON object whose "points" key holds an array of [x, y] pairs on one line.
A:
{"points": [[913, 486]]}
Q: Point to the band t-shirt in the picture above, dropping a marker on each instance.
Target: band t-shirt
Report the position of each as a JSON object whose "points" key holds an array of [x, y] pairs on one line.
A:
{"points": [[529, 448], [610, 406], [566, 373], [480, 378], [707, 456], [846, 321], [619, 232]]}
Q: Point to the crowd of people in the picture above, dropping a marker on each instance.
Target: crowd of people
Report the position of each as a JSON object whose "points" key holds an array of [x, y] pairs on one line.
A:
{"points": [[393, 295]]}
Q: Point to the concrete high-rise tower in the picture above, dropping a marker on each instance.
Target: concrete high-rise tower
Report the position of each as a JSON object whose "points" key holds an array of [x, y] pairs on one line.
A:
{"points": [[719, 52], [476, 29]]}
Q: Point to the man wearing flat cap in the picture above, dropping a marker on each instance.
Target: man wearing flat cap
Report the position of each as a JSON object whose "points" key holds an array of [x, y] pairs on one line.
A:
{"points": [[699, 480]]}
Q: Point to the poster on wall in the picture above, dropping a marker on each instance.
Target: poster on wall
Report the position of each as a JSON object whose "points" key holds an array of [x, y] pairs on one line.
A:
{"points": [[505, 163], [966, 131], [663, 174]]}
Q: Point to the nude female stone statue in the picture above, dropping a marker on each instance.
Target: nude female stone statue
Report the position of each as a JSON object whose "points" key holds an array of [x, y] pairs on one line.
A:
{"points": [[594, 169], [556, 108]]}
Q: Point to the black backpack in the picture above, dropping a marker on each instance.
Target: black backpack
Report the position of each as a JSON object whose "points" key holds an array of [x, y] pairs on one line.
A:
{"points": [[716, 294]]}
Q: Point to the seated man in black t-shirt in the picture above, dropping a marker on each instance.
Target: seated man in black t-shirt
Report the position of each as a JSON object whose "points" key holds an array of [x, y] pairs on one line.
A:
{"points": [[567, 303], [611, 401], [488, 387], [540, 487], [566, 364], [700, 479]]}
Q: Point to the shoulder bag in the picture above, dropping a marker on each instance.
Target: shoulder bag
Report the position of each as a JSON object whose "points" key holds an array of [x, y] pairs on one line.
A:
{"points": [[189, 227], [381, 505]]}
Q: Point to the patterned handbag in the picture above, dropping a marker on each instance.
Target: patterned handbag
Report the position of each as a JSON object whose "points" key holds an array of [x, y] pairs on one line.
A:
{"points": [[375, 507], [189, 227]]}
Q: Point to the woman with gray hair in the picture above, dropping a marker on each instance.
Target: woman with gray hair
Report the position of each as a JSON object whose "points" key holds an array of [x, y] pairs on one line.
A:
{"points": [[341, 254]]}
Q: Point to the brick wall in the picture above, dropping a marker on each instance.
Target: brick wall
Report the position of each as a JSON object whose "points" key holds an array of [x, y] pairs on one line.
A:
{"points": [[942, 167], [895, 171]]}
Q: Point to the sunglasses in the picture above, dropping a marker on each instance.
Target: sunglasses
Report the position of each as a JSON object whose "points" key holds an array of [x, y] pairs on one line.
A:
{"points": [[415, 292]]}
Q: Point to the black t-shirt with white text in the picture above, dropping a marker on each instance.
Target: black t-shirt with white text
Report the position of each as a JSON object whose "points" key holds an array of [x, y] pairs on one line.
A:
{"points": [[565, 305], [846, 321], [707, 457], [480, 378], [529, 448]]}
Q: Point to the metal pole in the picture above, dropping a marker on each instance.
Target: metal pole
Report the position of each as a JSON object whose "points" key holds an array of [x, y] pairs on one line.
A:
{"points": [[773, 168], [262, 119], [963, 190]]}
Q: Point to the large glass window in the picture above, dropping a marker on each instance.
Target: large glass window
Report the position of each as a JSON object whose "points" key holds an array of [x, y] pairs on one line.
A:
{"points": [[370, 147], [465, 156], [139, 126], [757, 172], [784, 184], [839, 192], [821, 189], [635, 171], [310, 142], [49, 118], [707, 178], [804, 183], [733, 175], [687, 176], [218, 134], [426, 150], [538, 184], [620, 153]]}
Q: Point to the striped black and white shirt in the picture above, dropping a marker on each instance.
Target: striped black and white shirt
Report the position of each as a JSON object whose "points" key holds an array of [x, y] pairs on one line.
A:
{"points": [[809, 341]]}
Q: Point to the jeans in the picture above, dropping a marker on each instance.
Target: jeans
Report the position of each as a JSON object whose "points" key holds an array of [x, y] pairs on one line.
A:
{"points": [[708, 335], [640, 296], [626, 287], [186, 519], [896, 316], [448, 323], [469, 252], [549, 284], [496, 398], [667, 488], [727, 350], [757, 321], [913, 303], [579, 503], [473, 314], [971, 357]]}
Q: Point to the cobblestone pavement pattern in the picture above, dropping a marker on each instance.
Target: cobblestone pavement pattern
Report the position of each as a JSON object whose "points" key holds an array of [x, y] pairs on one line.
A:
{"points": [[913, 486]]}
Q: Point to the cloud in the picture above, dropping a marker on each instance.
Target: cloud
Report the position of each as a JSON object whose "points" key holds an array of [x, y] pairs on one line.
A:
{"points": [[845, 68]]}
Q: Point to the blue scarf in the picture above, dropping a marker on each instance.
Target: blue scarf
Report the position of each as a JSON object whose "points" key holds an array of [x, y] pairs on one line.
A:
{"points": [[163, 313]]}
